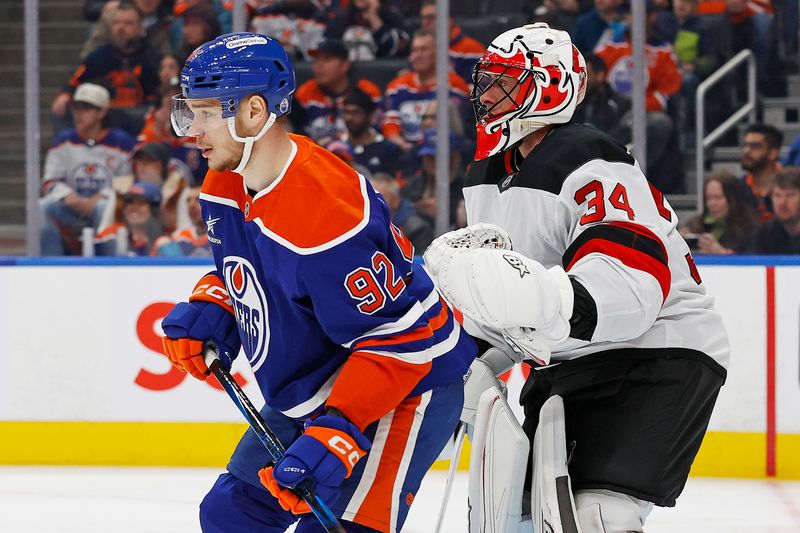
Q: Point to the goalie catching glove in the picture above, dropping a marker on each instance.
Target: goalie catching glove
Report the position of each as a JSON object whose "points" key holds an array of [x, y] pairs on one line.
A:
{"points": [[502, 289], [207, 316], [325, 454]]}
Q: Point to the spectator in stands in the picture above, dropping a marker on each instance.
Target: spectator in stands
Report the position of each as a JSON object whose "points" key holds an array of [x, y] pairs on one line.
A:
{"points": [[181, 7], [321, 99], [454, 119], [760, 151], [663, 80], [727, 223], [169, 71], [602, 107], [464, 51], [429, 122], [200, 25], [793, 154], [93, 9], [156, 20], [151, 163], [753, 27], [190, 239], [408, 94], [781, 235], [421, 187], [693, 47], [560, 14], [418, 229], [139, 219], [158, 129], [128, 64], [369, 30], [344, 151], [299, 25], [369, 147], [78, 171], [603, 24]]}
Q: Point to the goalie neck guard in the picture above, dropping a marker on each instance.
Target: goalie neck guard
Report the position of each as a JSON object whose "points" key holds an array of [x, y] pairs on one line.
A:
{"points": [[528, 78]]}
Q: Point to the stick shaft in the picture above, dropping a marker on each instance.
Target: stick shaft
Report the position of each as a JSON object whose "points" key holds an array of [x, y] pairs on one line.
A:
{"points": [[451, 474], [273, 445]]}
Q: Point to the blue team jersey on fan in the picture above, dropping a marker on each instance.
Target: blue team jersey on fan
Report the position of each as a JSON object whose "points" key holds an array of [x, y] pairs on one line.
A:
{"points": [[317, 272]]}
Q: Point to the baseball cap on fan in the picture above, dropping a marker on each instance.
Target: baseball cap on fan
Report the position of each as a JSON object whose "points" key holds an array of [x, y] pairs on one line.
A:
{"points": [[330, 47], [92, 94], [145, 190]]}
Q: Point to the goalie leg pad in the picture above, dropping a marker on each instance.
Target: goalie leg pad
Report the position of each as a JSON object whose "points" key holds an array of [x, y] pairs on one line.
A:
{"points": [[497, 467], [552, 503], [602, 511]]}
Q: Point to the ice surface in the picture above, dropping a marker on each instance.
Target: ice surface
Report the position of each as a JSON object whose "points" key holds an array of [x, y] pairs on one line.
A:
{"points": [[156, 500]]}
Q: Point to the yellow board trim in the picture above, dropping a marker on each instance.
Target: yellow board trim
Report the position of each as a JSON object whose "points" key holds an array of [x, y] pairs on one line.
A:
{"points": [[118, 443], [723, 454]]}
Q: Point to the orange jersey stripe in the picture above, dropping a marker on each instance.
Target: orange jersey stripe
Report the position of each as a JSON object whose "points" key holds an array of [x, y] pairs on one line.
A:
{"points": [[376, 509], [420, 333], [370, 385]]}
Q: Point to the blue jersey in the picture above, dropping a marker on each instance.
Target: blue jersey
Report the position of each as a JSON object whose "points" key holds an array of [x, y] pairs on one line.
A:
{"points": [[330, 307]]}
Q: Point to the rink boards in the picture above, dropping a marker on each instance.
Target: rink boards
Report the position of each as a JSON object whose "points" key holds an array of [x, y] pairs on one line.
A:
{"points": [[84, 381]]}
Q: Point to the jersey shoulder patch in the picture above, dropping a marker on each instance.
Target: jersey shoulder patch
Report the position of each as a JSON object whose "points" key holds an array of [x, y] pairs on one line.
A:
{"points": [[318, 203]]}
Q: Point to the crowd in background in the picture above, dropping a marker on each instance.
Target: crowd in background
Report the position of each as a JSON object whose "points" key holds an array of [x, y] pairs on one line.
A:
{"points": [[366, 91]]}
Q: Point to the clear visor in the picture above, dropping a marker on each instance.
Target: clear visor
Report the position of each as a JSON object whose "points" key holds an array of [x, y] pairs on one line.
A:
{"points": [[190, 117]]}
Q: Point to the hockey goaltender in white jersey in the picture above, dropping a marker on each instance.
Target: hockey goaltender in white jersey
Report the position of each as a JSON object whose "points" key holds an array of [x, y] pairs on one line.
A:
{"points": [[572, 261]]}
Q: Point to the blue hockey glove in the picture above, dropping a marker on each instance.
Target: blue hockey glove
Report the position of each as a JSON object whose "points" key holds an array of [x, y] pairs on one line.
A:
{"points": [[207, 316], [325, 453]]}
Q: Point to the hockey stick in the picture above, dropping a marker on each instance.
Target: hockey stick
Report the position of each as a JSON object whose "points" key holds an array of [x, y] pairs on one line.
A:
{"points": [[268, 438], [451, 474]]}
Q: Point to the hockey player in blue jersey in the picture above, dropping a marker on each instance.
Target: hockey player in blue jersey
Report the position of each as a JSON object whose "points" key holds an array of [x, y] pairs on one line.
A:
{"points": [[349, 341]]}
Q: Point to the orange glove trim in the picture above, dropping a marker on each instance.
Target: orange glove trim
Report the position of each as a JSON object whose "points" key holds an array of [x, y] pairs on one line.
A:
{"points": [[187, 356], [210, 288], [339, 444], [288, 500]]}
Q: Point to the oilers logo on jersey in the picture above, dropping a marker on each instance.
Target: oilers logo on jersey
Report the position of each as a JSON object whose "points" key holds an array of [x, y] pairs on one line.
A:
{"points": [[250, 305]]}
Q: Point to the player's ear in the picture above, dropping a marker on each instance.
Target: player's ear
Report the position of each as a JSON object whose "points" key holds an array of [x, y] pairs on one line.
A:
{"points": [[257, 107]]}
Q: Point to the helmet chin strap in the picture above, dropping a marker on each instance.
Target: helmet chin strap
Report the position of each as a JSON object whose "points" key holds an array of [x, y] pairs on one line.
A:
{"points": [[248, 141]]}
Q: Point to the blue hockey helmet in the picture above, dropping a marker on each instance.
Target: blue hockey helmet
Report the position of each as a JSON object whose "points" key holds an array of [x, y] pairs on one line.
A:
{"points": [[236, 65], [229, 69]]}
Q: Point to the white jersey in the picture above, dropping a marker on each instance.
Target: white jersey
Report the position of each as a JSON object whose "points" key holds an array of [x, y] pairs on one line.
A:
{"points": [[579, 200], [86, 166]]}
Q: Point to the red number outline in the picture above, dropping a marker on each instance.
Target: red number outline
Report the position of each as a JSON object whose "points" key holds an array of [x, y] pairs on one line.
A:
{"points": [[361, 285]]}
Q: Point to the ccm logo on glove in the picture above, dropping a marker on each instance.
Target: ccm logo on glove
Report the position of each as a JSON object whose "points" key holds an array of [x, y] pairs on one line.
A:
{"points": [[345, 448], [348, 453]]}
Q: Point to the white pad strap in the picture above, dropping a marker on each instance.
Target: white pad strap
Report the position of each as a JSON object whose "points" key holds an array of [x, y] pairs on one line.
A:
{"points": [[248, 141], [497, 467]]}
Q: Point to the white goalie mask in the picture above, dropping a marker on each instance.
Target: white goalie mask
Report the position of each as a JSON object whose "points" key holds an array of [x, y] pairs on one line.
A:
{"points": [[529, 77]]}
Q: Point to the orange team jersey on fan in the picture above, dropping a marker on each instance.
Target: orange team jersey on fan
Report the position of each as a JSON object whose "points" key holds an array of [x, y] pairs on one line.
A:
{"points": [[754, 7], [407, 98], [331, 308], [322, 112], [663, 77], [464, 53]]}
